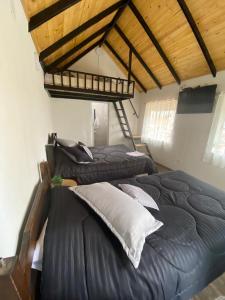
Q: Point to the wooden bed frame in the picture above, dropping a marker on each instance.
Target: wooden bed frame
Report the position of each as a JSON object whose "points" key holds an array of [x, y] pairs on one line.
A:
{"points": [[49, 148], [17, 280]]}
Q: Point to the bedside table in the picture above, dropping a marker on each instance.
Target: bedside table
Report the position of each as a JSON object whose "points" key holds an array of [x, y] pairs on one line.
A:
{"points": [[69, 182]]}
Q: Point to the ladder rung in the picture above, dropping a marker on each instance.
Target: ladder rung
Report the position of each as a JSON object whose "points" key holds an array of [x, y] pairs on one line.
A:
{"points": [[124, 124], [140, 145]]}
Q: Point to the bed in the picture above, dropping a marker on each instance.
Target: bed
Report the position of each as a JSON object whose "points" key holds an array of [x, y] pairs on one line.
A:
{"points": [[110, 162], [83, 259]]}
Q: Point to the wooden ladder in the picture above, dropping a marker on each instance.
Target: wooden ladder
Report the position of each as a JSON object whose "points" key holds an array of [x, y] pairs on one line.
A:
{"points": [[125, 127]]}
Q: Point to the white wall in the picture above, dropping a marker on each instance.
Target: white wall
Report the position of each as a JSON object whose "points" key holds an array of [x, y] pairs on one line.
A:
{"points": [[190, 134], [25, 121], [98, 62], [72, 119], [101, 128]]}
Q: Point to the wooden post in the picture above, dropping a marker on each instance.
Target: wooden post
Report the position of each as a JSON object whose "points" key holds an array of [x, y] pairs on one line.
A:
{"points": [[129, 70], [130, 64]]}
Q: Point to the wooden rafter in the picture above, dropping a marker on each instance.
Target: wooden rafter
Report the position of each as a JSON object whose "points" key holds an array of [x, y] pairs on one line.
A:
{"points": [[50, 12], [68, 37], [130, 65], [139, 20], [125, 65], [138, 56], [198, 36], [154, 40], [114, 21], [66, 66], [76, 48]]}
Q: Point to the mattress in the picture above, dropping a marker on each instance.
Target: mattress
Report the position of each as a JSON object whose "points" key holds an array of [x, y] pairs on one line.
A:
{"points": [[84, 261], [110, 162]]}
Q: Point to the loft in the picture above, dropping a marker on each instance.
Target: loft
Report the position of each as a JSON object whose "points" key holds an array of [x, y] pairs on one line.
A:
{"points": [[88, 86]]}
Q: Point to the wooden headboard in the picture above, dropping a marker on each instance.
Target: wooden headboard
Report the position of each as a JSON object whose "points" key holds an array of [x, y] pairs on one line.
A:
{"points": [[17, 279], [50, 152]]}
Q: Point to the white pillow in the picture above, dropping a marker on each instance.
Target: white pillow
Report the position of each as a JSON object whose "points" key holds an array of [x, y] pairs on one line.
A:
{"points": [[140, 195], [66, 143], [87, 150], [129, 221], [38, 251]]}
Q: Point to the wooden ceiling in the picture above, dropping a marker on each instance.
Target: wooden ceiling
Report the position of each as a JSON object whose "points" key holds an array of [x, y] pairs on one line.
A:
{"points": [[171, 40]]}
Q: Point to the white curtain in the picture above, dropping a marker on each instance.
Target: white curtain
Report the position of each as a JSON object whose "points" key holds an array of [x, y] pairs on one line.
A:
{"points": [[159, 122], [215, 149]]}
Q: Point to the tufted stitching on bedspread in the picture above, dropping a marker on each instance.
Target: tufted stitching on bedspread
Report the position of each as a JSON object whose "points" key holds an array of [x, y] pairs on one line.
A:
{"points": [[190, 243]]}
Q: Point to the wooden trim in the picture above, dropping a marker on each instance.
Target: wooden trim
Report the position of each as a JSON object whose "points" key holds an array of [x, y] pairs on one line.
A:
{"points": [[142, 62], [154, 40], [114, 21], [198, 36], [69, 64], [124, 65], [68, 37], [76, 48], [50, 12], [67, 95]]}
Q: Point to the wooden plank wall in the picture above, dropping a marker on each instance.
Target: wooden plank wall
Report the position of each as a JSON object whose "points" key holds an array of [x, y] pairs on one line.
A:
{"points": [[165, 19]]}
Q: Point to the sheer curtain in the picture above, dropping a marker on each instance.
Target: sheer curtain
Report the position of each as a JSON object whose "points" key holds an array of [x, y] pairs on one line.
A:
{"points": [[215, 149], [159, 122]]}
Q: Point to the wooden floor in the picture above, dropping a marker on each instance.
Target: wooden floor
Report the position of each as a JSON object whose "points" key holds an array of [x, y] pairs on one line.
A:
{"points": [[162, 168], [214, 291]]}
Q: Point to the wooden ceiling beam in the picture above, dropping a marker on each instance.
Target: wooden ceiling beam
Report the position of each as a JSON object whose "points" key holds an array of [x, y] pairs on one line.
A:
{"points": [[130, 65], [50, 12], [76, 48], [154, 41], [142, 62], [198, 36], [68, 37], [80, 96], [125, 65], [66, 66], [86, 91], [114, 21]]}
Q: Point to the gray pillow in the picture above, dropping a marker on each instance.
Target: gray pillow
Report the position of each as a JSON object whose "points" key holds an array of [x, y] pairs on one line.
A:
{"points": [[140, 195], [76, 154], [86, 149]]}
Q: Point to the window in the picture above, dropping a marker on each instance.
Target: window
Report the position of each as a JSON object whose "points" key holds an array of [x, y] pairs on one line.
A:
{"points": [[215, 150], [159, 121]]}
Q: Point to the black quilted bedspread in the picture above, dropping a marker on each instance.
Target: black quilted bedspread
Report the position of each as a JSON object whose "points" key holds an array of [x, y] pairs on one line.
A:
{"points": [[110, 162], [83, 260]]}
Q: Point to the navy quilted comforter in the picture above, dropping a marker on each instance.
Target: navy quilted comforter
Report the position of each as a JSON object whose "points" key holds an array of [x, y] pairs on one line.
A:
{"points": [[84, 261], [110, 162]]}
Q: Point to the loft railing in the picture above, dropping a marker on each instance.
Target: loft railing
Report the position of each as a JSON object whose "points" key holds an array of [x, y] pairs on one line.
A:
{"points": [[89, 82]]}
